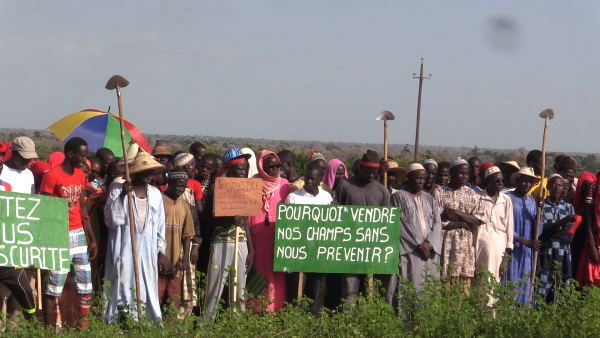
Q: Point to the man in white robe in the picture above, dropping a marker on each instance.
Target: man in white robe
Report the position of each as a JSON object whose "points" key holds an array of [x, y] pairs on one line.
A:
{"points": [[421, 228], [149, 239]]}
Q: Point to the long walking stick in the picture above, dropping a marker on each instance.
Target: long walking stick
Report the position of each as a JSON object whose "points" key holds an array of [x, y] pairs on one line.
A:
{"points": [[547, 114], [117, 82], [38, 283], [235, 264], [385, 116]]}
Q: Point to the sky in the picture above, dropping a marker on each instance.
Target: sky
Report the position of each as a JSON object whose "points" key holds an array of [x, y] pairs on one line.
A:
{"points": [[311, 70]]}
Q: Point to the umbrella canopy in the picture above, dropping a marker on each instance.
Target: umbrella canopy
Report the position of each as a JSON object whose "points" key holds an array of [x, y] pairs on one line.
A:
{"points": [[99, 129]]}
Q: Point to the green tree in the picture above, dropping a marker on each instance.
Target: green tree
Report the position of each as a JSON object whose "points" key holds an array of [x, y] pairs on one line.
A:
{"points": [[590, 163]]}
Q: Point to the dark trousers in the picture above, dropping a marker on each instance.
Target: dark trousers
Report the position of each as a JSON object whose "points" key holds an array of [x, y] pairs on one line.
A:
{"points": [[351, 286], [17, 282], [311, 284]]}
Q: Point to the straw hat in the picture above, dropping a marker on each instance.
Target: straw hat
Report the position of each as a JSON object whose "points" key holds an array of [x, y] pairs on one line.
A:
{"points": [[512, 163], [527, 171], [160, 150], [144, 162], [400, 172]]}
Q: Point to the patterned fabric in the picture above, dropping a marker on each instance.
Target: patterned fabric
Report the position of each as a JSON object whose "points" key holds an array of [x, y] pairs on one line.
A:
{"points": [[458, 251], [553, 251], [552, 214], [81, 272], [589, 192], [226, 234]]}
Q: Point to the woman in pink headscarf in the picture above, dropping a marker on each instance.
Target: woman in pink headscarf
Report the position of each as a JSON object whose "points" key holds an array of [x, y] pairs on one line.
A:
{"points": [[335, 172], [262, 228]]}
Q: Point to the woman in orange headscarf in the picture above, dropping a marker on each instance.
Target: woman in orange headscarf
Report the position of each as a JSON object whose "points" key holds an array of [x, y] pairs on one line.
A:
{"points": [[262, 228]]}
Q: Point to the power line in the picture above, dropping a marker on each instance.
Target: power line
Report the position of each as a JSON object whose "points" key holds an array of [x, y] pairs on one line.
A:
{"points": [[219, 57], [231, 36]]}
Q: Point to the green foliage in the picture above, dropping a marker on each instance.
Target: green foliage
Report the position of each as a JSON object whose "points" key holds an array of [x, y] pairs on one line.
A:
{"points": [[442, 309], [589, 163]]}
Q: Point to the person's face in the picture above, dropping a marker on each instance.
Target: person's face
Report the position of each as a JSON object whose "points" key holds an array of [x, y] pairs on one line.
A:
{"points": [[461, 173], [321, 163], [537, 167], [20, 162], [106, 160], [163, 159], [495, 181], [566, 187], [356, 168], [238, 170], [340, 174], [206, 167], [442, 176], [271, 165], [177, 187], [430, 171], [78, 157], [95, 171], [190, 169], [286, 167], [508, 171], [556, 187], [312, 180], [415, 180], [86, 171], [144, 177], [391, 178], [568, 174], [114, 172], [524, 184], [474, 169], [198, 154], [368, 174]]}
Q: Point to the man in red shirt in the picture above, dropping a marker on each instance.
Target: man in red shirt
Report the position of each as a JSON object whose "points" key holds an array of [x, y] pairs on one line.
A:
{"points": [[68, 181]]}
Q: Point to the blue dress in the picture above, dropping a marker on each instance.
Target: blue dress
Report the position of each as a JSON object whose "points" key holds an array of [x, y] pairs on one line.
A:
{"points": [[521, 264]]}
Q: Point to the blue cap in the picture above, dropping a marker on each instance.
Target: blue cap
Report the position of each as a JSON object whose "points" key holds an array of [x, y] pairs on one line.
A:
{"points": [[232, 154]]}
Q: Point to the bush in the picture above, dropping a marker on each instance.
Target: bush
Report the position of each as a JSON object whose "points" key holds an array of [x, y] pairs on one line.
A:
{"points": [[440, 310]]}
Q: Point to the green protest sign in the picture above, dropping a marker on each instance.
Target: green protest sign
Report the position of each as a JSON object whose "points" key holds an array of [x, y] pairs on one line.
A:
{"points": [[35, 231], [337, 239]]}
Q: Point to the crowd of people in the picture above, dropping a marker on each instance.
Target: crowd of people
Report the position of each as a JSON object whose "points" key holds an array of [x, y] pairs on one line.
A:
{"points": [[465, 217]]}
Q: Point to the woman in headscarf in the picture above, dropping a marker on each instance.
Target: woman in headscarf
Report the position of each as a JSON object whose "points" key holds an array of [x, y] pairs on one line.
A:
{"points": [[335, 172], [262, 228], [251, 161], [584, 244]]}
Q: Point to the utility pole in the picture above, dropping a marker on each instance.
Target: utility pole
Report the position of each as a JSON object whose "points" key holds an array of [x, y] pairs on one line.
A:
{"points": [[420, 77]]}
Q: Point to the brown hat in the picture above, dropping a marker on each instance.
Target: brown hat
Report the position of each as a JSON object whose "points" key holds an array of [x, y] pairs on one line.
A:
{"points": [[160, 150], [399, 171], [144, 162]]}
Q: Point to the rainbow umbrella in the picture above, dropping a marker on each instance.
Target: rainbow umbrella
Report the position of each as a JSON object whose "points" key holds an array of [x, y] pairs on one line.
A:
{"points": [[99, 129]]}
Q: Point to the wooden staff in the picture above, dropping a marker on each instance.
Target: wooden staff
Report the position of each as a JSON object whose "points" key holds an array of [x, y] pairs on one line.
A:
{"points": [[235, 265], [385, 116], [547, 114], [117, 82]]}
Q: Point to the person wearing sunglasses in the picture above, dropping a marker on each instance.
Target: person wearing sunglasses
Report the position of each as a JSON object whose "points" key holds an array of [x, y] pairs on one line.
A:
{"points": [[262, 229], [494, 237]]}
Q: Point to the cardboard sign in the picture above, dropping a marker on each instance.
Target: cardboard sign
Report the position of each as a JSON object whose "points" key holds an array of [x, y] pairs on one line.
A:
{"points": [[34, 231], [337, 239], [238, 196]]}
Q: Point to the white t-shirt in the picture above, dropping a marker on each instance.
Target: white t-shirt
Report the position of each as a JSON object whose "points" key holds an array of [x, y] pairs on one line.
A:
{"points": [[301, 196], [20, 180]]}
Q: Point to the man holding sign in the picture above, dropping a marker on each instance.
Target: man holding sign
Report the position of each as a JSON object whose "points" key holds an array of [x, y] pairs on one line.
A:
{"points": [[14, 279], [223, 238], [364, 190], [68, 181], [313, 194]]}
